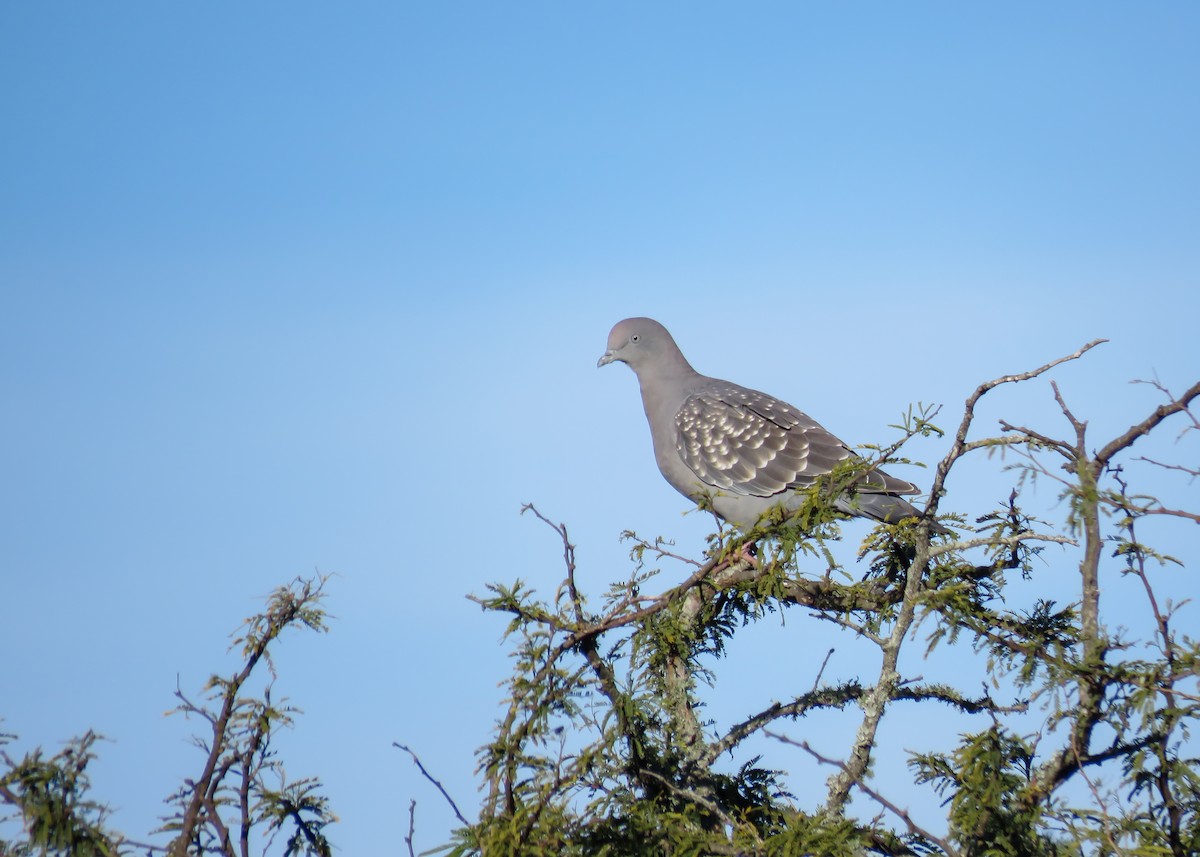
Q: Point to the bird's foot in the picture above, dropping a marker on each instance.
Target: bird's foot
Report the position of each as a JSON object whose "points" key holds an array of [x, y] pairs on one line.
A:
{"points": [[748, 553]]}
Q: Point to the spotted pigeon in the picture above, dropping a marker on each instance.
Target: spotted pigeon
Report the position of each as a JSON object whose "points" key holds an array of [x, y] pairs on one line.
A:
{"points": [[738, 450]]}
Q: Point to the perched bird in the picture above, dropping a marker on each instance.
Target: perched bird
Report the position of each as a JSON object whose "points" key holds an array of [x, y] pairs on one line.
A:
{"points": [[736, 449]]}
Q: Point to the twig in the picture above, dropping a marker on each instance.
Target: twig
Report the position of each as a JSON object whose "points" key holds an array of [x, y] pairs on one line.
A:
{"points": [[821, 671], [1190, 471], [694, 797], [992, 541], [1137, 564], [1105, 818], [902, 814], [412, 827], [286, 607], [960, 437], [1145, 426], [427, 776], [836, 697], [588, 645]]}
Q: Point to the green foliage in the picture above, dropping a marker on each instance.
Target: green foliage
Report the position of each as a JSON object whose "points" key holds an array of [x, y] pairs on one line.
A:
{"points": [[51, 796], [983, 780], [242, 785], [1085, 747], [1076, 738]]}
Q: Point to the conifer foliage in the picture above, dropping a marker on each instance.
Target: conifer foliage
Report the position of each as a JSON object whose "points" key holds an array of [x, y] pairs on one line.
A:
{"points": [[1074, 733], [1075, 720]]}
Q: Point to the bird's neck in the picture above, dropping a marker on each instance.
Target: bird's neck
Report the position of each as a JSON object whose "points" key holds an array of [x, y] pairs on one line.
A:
{"points": [[666, 391]]}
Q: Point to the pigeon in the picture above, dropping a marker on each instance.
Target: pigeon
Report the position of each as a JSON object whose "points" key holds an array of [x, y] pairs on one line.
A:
{"points": [[734, 450]]}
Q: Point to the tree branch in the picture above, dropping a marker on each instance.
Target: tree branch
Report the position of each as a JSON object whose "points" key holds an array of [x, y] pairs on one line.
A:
{"points": [[902, 814], [417, 761]]}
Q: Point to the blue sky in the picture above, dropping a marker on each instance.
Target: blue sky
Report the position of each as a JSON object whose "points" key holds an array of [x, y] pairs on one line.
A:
{"points": [[307, 287]]}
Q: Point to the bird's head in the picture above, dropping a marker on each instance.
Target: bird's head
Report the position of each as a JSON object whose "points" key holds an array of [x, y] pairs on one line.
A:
{"points": [[638, 342]]}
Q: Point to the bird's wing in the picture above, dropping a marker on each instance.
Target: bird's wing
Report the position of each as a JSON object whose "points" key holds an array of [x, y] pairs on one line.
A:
{"points": [[743, 442]]}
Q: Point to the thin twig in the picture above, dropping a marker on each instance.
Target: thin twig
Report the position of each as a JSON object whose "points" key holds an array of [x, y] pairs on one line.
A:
{"points": [[427, 776], [821, 671], [1105, 818], [694, 797], [1190, 471], [836, 697], [1137, 430], [412, 827], [960, 437], [902, 814]]}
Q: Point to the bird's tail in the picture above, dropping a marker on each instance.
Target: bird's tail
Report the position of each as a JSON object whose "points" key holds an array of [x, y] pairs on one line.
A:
{"points": [[888, 508]]}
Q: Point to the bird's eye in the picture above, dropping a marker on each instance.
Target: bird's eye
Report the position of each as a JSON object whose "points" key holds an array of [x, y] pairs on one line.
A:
{"points": [[635, 338]]}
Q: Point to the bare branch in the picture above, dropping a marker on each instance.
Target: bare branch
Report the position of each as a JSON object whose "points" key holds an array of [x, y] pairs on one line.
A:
{"points": [[960, 437], [1033, 438], [412, 828], [1143, 428], [1173, 513], [1190, 471], [902, 814], [428, 776]]}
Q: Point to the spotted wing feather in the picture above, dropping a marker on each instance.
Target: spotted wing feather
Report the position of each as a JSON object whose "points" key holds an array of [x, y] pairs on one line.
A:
{"points": [[743, 442]]}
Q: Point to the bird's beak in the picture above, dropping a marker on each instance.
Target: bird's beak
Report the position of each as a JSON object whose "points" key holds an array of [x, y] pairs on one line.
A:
{"points": [[605, 359]]}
